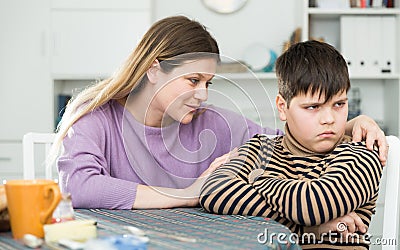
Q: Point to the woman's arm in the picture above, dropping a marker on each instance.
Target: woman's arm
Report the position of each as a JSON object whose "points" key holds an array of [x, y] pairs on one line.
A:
{"points": [[161, 197]]}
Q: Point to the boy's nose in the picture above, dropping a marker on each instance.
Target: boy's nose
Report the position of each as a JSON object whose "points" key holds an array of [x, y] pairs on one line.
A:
{"points": [[327, 116]]}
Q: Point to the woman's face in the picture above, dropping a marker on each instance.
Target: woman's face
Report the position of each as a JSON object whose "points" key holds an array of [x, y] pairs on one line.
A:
{"points": [[179, 94]]}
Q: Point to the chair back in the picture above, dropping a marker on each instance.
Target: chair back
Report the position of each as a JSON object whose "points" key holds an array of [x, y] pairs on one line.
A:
{"points": [[384, 227], [29, 143]]}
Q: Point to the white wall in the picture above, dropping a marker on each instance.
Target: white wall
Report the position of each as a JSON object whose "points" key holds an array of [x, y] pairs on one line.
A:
{"points": [[259, 21]]}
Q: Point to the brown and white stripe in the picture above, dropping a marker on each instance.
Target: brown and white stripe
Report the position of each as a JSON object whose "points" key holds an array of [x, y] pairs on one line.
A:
{"points": [[297, 191]]}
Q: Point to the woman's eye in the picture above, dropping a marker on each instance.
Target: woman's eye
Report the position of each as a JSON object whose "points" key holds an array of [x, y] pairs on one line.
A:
{"points": [[194, 80], [208, 84]]}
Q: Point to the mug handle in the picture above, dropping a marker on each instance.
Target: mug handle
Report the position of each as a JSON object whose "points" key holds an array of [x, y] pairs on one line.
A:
{"points": [[56, 199]]}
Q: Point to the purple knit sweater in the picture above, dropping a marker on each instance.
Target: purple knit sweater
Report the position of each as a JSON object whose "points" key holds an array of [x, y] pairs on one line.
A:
{"points": [[107, 153]]}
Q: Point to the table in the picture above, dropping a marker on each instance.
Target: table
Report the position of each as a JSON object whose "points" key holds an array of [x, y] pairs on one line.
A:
{"points": [[209, 230]]}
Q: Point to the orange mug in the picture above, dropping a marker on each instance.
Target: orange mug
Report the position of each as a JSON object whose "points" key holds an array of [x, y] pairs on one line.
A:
{"points": [[30, 205]]}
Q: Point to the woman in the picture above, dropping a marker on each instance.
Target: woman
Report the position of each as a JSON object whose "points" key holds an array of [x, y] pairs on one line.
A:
{"points": [[143, 137]]}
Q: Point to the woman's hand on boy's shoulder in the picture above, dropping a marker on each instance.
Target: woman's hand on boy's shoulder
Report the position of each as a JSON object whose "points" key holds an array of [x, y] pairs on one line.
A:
{"points": [[365, 128]]}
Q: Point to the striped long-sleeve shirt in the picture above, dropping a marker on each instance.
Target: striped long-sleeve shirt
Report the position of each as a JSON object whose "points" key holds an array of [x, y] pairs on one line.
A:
{"points": [[297, 191]]}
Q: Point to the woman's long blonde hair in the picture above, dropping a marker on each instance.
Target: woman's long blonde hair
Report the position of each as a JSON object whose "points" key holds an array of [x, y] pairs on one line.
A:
{"points": [[167, 38]]}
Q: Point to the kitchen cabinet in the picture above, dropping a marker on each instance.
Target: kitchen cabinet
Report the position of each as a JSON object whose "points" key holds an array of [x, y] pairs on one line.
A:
{"points": [[91, 39], [25, 78], [10, 160], [25, 83], [45, 42]]}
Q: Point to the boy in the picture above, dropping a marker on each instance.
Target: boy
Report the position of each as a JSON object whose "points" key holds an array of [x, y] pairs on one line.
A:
{"points": [[314, 173]]}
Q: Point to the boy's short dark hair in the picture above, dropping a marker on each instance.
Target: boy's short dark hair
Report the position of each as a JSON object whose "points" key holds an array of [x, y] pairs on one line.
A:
{"points": [[311, 66]]}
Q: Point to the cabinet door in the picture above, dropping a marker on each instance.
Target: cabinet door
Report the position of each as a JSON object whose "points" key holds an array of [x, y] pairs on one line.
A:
{"points": [[91, 43], [10, 161], [25, 84]]}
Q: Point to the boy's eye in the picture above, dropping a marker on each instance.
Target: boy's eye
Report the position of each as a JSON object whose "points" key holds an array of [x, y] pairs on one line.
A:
{"points": [[312, 107], [340, 104]]}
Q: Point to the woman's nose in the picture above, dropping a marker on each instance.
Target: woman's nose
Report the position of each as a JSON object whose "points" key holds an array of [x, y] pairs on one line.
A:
{"points": [[201, 93]]}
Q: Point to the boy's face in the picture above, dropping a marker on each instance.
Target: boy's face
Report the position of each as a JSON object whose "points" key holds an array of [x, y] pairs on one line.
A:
{"points": [[316, 125]]}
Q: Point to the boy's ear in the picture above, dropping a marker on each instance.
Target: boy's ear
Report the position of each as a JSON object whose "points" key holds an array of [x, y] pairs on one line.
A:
{"points": [[152, 71], [281, 105]]}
